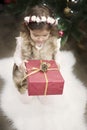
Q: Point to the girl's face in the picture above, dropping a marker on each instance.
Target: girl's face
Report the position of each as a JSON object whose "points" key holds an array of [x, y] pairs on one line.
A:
{"points": [[39, 36]]}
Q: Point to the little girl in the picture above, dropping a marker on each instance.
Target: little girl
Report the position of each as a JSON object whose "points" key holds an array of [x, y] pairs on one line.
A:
{"points": [[38, 40]]}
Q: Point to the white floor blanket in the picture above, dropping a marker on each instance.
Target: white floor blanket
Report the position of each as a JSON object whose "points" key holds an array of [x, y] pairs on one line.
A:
{"points": [[60, 112]]}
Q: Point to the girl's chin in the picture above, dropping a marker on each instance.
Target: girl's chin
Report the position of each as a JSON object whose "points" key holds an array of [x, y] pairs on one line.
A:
{"points": [[39, 44]]}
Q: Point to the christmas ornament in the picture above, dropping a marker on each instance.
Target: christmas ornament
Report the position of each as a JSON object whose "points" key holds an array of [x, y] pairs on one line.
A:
{"points": [[71, 8], [75, 1], [60, 33], [67, 10], [9, 1]]}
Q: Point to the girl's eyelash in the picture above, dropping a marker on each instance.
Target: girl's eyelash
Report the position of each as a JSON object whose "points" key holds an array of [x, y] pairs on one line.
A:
{"points": [[35, 35], [38, 35]]}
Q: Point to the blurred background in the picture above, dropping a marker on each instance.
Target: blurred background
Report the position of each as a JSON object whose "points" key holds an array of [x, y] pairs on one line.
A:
{"points": [[72, 29]]}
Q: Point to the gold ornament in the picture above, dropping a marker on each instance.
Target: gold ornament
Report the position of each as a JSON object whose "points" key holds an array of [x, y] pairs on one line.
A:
{"points": [[67, 10]]}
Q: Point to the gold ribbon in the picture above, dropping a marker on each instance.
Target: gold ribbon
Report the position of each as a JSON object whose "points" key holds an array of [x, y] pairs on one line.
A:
{"points": [[35, 70]]}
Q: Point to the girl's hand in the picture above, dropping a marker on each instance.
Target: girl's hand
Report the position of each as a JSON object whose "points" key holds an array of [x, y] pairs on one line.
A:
{"points": [[22, 66]]}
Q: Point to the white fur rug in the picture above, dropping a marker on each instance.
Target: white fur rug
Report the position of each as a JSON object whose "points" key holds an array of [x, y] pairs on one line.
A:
{"points": [[60, 112]]}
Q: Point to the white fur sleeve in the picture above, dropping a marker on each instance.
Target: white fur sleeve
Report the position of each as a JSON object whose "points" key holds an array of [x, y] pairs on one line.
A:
{"points": [[58, 43], [57, 57], [17, 54]]}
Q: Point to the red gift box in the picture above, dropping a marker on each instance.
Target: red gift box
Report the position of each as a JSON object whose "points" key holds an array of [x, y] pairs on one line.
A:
{"points": [[40, 82]]}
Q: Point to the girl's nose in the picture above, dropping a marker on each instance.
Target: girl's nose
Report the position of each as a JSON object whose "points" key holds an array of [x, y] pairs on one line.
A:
{"points": [[40, 39]]}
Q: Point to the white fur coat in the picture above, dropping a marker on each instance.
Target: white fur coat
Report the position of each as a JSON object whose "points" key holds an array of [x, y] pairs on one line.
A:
{"points": [[60, 112]]}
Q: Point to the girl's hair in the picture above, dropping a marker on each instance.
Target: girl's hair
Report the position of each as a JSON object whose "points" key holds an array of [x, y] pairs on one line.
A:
{"points": [[39, 11]]}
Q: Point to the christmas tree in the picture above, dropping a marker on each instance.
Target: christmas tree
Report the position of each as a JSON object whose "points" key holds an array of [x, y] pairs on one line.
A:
{"points": [[72, 16]]}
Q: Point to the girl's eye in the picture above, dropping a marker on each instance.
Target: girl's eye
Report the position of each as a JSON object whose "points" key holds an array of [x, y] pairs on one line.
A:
{"points": [[36, 35]]}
